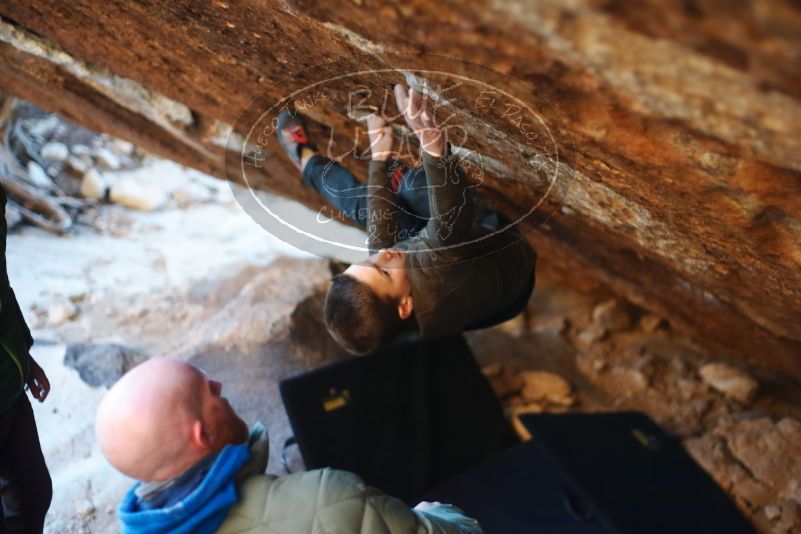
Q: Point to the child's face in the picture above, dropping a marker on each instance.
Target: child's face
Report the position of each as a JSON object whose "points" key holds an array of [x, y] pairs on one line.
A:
{"points": [[385, 273]]}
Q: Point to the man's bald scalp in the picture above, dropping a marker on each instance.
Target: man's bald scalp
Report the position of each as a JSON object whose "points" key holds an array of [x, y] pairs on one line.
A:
{"points": [[144, 424]]}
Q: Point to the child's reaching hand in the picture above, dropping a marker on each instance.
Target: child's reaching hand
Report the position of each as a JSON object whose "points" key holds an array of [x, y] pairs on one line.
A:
{"points": [[380, 137], [413, 106]]}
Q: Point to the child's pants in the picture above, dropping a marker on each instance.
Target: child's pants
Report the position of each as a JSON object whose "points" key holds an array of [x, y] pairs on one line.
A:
{"points": [[343, 191]]}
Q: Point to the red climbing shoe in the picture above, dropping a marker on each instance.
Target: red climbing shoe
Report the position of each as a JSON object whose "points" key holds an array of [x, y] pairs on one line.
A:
{"points": [[292, 135]]}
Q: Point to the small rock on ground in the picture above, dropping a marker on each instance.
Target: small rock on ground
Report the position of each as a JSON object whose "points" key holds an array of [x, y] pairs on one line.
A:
{"points": [[590, 334], [106, 159], [102, 364], [550, 325], [732, 382], [38, 176], [138, 196], [54, 152], [612, 314], [516, 326], [650, 323], [60, 312], [504, 382], [93, 185], [539, 386]]}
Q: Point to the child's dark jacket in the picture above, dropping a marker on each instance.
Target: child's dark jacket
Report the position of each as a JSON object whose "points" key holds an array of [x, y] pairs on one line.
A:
{"points": [[461, 272]]}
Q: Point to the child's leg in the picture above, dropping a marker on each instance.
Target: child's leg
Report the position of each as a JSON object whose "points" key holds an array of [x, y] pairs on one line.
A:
{"points": [[413, 192], [338, 186], [22, 459]]}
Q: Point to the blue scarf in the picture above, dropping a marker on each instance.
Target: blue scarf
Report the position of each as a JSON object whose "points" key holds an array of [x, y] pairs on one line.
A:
{"points": [[201, 510]]}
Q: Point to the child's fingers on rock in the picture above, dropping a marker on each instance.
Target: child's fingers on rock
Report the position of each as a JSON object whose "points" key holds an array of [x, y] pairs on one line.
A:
{"points": [[375, 121], [401, 98], [416, 102]]}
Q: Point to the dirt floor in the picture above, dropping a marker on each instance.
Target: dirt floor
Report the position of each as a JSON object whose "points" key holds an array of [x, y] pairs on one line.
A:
{"points": [[197, 279]]}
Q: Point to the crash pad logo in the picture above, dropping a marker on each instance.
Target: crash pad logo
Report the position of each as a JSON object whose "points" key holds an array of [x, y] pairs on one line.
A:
{"points": [[514, 155]]}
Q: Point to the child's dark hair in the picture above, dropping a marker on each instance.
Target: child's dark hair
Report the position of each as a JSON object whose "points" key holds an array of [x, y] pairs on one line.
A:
{"points": [[357, 318]]}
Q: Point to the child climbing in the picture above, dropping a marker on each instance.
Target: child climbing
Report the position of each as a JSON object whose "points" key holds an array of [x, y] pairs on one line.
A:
{"points": [[440, 262]]}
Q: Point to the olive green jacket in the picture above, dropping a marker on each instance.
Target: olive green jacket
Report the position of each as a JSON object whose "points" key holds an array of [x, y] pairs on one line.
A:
{"points": [[326, 501]]}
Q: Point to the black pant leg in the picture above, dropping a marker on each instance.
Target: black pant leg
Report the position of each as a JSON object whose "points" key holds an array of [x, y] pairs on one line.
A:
{"points": [[339, 187], [7, 419], [22, 459]]}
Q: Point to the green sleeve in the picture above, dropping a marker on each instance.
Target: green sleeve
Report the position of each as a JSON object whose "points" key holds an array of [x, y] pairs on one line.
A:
{"points": [[449, 199]]}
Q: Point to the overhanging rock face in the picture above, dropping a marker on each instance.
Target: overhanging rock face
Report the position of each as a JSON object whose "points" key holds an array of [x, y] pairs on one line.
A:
{"points": [[682, 119]]}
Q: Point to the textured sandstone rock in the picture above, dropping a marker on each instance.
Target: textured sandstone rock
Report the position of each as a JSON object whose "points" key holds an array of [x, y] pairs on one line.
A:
{"points": [[552, 326], [612, 314], [504, 382], [650, 322], [542, 386], [770, 450], [516, 326], [713, 455], [790, 520], [730, 381], [756, 460], [590, 334], [684, 116]]}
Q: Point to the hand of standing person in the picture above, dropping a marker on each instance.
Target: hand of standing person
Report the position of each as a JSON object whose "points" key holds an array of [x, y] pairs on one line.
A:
{"points": [[412, 104], [38, 382]]}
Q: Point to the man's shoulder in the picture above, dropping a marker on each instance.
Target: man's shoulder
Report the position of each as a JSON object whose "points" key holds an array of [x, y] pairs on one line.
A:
{"points": [[267, 503], [301, 491]]}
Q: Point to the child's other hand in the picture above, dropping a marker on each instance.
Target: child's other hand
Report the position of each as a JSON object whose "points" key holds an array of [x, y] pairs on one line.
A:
{"points": [[412, 104], [38, 383], [380, 137]]}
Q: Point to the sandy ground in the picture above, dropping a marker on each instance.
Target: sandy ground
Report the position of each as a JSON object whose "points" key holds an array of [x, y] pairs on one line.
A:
{"points": [[85, 488]]}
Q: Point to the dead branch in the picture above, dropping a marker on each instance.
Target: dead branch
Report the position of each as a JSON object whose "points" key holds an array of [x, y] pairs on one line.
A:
{"points": [[36, 208], [33, 206]]}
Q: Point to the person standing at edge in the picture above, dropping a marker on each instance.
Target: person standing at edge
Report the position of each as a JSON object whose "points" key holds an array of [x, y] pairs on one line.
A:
{"points": [[440, 263], [21, 458]]}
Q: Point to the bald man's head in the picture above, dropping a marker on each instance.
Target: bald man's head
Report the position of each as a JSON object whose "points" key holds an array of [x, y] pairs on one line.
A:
{"points": [[162, 417]]}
